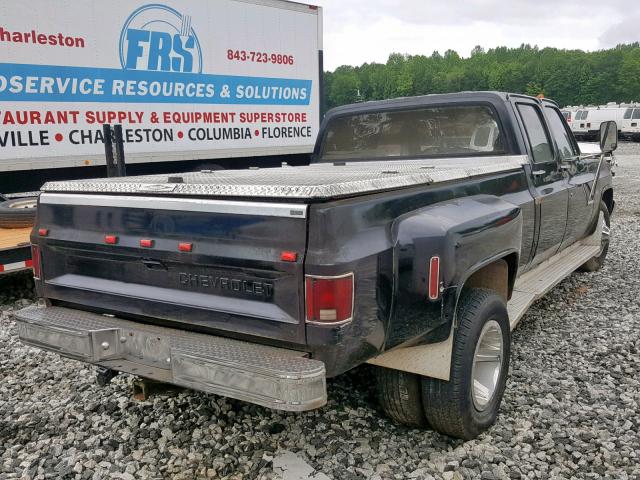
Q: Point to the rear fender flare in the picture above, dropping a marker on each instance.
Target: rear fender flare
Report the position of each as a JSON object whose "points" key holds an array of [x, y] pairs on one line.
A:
{"points": [[467, 234]]}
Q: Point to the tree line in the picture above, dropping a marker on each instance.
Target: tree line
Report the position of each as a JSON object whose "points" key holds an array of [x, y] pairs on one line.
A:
{"points": [[570, 77]]}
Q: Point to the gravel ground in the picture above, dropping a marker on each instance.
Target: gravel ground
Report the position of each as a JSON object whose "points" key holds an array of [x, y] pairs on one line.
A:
{"points": [[571, 409]]}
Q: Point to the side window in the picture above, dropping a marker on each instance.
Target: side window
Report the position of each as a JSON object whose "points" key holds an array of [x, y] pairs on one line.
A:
{"points": [[561, 132], [585, 114], [636, 114], [538, 139], [627, 113]]}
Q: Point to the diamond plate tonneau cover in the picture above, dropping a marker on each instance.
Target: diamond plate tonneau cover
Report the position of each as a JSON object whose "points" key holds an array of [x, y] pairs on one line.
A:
{"points": [[316, 181]]}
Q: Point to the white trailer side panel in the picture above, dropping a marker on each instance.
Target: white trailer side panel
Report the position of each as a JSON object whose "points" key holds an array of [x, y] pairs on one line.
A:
{"points": [[187, 80]]}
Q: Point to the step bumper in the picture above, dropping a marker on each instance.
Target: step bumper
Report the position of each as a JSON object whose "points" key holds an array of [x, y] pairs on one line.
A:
{"points": [[268, 376]]}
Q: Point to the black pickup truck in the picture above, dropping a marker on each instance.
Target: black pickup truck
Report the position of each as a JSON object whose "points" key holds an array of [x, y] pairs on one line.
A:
{"points": [[415, 241]]}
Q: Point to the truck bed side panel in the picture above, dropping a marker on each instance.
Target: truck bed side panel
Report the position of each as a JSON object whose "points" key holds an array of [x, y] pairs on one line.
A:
{"points": [[357, 235]]}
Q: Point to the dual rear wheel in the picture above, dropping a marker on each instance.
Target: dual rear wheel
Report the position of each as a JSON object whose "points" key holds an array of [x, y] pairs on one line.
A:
{"points": [[468, 403]]}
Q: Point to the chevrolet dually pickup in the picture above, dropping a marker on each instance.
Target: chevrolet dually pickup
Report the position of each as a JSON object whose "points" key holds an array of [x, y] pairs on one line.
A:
{"points": [[415, 241]]}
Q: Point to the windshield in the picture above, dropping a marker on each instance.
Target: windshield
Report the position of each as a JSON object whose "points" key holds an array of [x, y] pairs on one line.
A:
{"points": [[440, 131]]}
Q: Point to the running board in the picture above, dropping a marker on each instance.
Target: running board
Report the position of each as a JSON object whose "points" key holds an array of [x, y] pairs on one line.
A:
{"points": [[534, 284]]}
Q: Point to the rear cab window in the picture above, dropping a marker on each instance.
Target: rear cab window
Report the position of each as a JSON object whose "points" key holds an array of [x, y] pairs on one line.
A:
{"points": [[442, 131]]}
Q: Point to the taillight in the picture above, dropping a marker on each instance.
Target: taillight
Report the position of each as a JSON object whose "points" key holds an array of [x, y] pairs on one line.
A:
{"points": [[434, 278], [36, 262], [329, 299]]}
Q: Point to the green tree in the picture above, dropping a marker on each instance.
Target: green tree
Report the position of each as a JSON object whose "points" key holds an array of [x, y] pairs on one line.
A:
{"points": [[571, 77], [629, 77]]}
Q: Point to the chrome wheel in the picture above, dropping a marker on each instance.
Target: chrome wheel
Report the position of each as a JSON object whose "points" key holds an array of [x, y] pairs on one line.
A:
{"points": [[487, 364]]}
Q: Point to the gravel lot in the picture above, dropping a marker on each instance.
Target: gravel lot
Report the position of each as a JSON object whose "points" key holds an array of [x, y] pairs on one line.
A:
{"points": [[571, 410]]}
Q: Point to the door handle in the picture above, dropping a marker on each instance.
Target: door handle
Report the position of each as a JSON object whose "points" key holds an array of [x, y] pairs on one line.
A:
{"points": [[538, 173], [546, 191]]}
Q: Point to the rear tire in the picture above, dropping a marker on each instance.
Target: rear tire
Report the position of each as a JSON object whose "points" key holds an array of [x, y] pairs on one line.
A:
{"points": [[18, 213], [594, 264], [468, 403], [399, 394]]}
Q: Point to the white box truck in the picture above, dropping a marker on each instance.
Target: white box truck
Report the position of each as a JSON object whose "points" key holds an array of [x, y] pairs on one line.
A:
{"points": [[195, 84]]}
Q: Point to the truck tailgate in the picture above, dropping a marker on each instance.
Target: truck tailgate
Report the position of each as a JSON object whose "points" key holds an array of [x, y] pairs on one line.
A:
{"points": [[211, 265]]}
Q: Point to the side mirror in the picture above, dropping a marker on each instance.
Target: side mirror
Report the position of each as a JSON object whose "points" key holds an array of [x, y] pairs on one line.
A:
{"points": [[608, 136]]}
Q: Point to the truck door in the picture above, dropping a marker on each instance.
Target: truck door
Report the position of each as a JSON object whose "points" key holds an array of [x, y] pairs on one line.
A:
{"points": [[580, 173], [550, 186]]}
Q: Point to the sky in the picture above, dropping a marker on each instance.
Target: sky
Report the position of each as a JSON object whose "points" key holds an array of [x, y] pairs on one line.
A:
{"points": [[359, 31]]}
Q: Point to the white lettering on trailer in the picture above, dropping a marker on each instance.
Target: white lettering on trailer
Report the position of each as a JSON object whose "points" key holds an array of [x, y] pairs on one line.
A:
{"points": [[185, 80]]}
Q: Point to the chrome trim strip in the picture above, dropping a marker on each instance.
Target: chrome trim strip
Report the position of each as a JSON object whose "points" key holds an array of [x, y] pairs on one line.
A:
{"points": [[178, 204]]}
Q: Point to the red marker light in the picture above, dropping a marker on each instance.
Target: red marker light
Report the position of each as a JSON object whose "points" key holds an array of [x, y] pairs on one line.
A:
{"points": [[185, 247], [43, 232], [146, 243], [434, 278], [111, 239], [288, 256]]}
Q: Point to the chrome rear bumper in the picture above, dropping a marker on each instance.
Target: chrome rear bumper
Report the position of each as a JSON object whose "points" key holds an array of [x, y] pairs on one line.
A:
{"points": [[269, 376]]}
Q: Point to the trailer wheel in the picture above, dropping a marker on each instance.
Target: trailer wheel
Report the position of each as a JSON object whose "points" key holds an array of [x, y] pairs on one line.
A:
{"points": [[18, 213], [604, 222], [468, 403], [400, 396]]}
